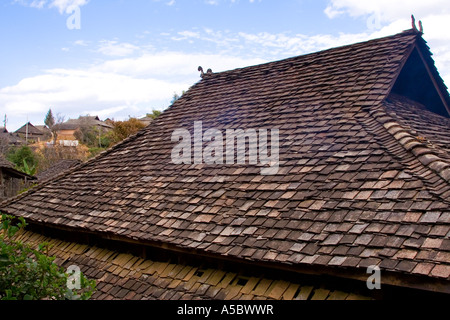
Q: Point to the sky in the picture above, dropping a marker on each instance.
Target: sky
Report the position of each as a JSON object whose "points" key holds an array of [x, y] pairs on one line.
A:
{"points": [[124, 58]]}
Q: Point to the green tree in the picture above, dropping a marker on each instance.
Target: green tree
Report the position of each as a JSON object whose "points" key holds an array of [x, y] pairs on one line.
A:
{"points": [[176, 96], [49, 119], [24, 159], [30, 274], [155, 114]]}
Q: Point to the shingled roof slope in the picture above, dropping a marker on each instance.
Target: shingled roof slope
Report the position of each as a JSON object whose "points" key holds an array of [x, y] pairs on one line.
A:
{"points": [[423, 123], [57, 169], [355, 187], [5, 163], [29, 128], [8, 166]]}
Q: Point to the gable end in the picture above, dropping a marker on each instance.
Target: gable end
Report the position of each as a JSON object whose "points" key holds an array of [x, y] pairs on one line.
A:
{"points": [[421, 82]]}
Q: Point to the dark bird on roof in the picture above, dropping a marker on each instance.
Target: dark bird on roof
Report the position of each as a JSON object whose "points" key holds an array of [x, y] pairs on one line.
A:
{"points": [[201, 71], [202, 74]]}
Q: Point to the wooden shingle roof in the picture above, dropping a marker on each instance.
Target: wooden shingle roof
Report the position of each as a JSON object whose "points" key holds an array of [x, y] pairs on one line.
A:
{"points": [[5, 163], [30, 129], [363, 178], [9, 167], [57, 169]]}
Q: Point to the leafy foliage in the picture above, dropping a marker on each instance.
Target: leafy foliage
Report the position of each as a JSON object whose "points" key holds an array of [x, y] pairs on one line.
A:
{"points": [[93, 152], [155, 114], [30, 274], [24, 159], [91, 136], [49, 156], [176, 96], [124, 129], [27, 169]]}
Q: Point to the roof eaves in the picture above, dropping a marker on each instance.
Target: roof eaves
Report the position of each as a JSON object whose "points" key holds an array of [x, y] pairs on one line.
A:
{"points": [[19, 173], [359, 273]]}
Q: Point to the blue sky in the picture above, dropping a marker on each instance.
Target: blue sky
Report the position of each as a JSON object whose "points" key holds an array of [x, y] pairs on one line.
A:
{"points": [[128, 57]]}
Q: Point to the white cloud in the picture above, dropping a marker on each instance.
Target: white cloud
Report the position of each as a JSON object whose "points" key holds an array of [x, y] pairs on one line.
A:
{"points": [[217, 2], [37, 4], [106, 113], [81, 43], [171, 65], [115, 88], [274, 46], [189, 34], [61, 5], [265, 45], [388, 10], [114, 48]]}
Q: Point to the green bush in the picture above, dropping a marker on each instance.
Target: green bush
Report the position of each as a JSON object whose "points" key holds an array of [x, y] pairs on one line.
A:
{"points": [[30, 274], [24, 159]]}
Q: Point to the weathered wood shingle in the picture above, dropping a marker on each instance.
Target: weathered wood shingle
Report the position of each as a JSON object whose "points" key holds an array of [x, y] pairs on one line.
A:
{"points": [[356, 186]]}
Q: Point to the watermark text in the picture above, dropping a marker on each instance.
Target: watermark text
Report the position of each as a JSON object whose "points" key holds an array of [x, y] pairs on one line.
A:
{"points": [[241, 146]]}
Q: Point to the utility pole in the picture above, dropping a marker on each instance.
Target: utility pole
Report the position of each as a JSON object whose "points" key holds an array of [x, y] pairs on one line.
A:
{"points": [[26, 133], [99, 137]]}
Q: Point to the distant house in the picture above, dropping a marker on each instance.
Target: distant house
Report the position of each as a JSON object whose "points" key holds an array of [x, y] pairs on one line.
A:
{"points": [[47, 133], [146, 120], [30, 133], [12, 181], [109, 122], [66, 131], [8, 139]]}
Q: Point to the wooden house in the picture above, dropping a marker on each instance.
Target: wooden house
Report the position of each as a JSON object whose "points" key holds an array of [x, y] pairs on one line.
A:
{"points": [[363, 183]]}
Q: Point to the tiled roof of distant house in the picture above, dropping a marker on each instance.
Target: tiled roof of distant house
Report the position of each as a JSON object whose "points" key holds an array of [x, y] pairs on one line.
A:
{"points": [[73, 124], [31, 130]]}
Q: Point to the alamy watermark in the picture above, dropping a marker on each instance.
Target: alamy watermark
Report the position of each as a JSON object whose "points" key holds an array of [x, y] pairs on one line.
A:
{"points": [[374, 22], [374, 280], [74, 278], [73, 282], [237, 143], [74, 20]]}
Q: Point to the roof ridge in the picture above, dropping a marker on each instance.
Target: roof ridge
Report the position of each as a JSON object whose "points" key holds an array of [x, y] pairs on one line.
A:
{"points": [[403, 135], [408, 32]]}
